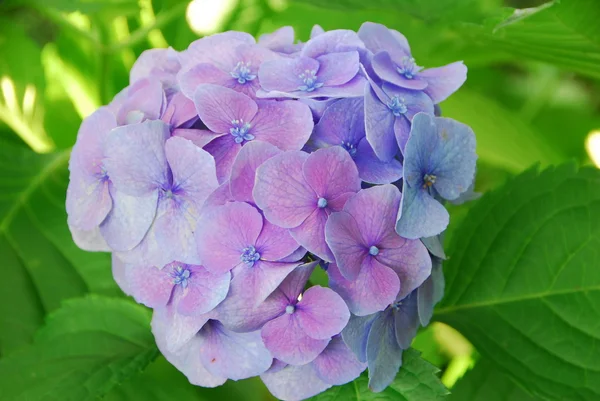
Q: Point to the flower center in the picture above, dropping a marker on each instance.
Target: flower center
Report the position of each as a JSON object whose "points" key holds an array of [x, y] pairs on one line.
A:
{"points": [[322, 203], [181, 276], [350, 148], [408, 68], [429, 180], [397, 106], [309, 78], [242, 72], [373, 251], [249, 255], [240, 131], [290, 309]]}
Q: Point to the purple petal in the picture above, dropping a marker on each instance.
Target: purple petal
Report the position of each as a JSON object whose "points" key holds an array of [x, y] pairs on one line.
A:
{"points": [[175, 337], [180, 111], [190, 79], [406, 320], [200, 137], [129, 220], [444, 81], [149, 285], [294, 256], [409, 259], [204, 291], [224, 232], [260, 280], [286, 340], [373, 290], [224, 150], [219, 197], [385, 69], [420, 215], [415, 101], [280, 40], [377, 37], [295, 282], [283, 74], [233, 355], [311, 234], [88, 200], [90, 240], [384, 355], [243, 171], [353, 88], [145, 99], [161, 64], [402, 132], [338, 68], [285, 124], [194, 173], [374, 210], [239, 311], [336, 41], [342, 122], [379, 123], [275, 243], [218, 49], [373, 170], [331, 172], [430, 293], [356, 334], [135, 157], [294, 383], [321, 313], [316, 31], [347, 244], [173, 331], [281, 191], [88, 152], [337, 364], [218, 107]]}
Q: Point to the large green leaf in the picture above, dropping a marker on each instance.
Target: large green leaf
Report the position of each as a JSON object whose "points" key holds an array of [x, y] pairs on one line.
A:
{"points": [[484, 383], [86, 348], [416, 381], [41, 264], [523, 281], [564, 33]]}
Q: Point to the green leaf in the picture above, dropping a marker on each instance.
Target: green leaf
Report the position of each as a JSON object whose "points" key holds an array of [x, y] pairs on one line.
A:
{"points": [[565, 34], [41, 264], [161, 381], [108, 8], [503, 139], [86, 348], [523, 284], [484, 383], [416, 381]]}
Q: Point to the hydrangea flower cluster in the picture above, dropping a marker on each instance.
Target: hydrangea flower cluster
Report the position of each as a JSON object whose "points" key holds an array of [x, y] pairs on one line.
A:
{"points": [[225, 174]]}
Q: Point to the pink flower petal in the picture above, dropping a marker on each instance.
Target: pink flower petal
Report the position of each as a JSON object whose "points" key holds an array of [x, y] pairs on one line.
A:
{"points": [[204, 291], [337, 364], [286, 124], [281, 191], [321, 313], [344, 236], [331, 172], [149, 285], [218, 107], [224, 232], [311, 234], [275, 243]]}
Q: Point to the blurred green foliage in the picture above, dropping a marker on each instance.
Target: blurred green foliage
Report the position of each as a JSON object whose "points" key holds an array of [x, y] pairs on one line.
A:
{"points": [[531, 98]]}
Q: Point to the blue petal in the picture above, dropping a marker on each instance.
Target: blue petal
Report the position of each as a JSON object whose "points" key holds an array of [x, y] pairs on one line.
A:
{"points": [[434, 246], [430, 292], [356, 333], [384, 355], [406, 321], [420, 214]]}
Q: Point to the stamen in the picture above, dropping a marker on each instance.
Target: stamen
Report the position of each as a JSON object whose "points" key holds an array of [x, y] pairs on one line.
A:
{"points": [[408, 68], [240, 131], [242, 72], [429, 180], [373, 251], [290, 309], [322, 203], [350, 148], [181, 276], [250, 256], [397, 106], [309, 77]]}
